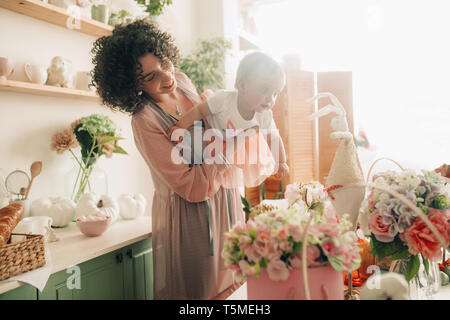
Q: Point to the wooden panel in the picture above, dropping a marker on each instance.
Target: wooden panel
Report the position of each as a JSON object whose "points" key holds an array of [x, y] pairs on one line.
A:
{"points": [[300, 137], [58, 16], [44, 90], [339, 84]]}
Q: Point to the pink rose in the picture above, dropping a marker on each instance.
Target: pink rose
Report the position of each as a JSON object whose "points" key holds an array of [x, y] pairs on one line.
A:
{"points": [[331, 215], [296, 232], [244, 239], [312, 254], [277, 270], [419, 237], [329, 249], [285, 246], [378, 228], [246, 268], [239, 227], [251, 253], [265, 246]]}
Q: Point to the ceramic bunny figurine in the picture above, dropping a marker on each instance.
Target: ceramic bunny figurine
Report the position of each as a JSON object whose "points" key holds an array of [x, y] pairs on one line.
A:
{"points": [[59, 74], [345, 181]]}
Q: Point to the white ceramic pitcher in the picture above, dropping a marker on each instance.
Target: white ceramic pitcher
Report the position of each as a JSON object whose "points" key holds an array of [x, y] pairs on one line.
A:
{"points": [[35, 73]]}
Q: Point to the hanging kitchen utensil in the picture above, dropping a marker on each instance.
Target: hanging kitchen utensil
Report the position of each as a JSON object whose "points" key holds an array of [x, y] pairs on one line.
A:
{"points": [[35, 169], [15, 181]]}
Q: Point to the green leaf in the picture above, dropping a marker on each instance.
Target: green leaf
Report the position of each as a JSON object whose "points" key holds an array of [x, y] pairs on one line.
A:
{"points": [[263, 193], [118, 149], [412, 267], [278, 195], [108, 139], [400, 255], [297, 248], [384, 249], [426, 264], [246, 204]]}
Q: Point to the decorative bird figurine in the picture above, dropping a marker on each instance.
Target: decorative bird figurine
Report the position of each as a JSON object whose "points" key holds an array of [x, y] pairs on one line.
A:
{"points": [[345, 181]]}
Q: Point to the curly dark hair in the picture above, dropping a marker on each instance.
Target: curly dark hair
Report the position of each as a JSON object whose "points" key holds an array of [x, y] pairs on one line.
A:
{"points": [[117, 72]]}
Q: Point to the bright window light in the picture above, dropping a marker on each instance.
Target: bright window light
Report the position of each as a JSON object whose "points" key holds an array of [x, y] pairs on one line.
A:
{"points": [[399, 53]]}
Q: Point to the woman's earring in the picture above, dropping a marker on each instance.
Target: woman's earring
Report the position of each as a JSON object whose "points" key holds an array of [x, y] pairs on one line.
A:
{"points": [[140, 92]]}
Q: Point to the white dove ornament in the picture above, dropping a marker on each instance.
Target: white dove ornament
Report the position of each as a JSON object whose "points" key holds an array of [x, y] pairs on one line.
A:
{"points": [[345, 181]]}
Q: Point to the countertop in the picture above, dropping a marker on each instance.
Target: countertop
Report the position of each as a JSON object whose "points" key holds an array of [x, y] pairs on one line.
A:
{"points": [[73, 247], [241, 293]]}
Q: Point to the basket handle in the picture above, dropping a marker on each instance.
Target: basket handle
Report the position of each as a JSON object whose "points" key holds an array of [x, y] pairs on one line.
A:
{"points": [[304, 251], [373, 164]]}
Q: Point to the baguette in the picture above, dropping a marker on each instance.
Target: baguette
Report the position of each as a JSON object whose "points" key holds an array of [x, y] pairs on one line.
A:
{"points": [[9, 218]]}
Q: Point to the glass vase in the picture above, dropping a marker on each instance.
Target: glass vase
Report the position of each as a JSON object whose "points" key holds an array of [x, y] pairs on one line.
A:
{"points": [[83, 180], [424, 284]]}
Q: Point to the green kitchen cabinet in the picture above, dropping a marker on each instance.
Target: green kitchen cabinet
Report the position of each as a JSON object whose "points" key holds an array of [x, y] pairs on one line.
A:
{"points": [[139, 271], [126, 273], [25, 292]]}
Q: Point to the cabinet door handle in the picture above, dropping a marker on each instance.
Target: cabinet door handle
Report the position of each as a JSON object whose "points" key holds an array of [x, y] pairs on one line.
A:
{"points": [[119, 257], [130, 253]]}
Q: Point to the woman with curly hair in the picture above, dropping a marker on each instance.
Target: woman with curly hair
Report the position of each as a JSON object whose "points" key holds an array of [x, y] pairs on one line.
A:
{"points": [[135, 72]]}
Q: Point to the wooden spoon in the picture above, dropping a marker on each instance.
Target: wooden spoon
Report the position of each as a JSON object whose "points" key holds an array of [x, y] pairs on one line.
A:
{"points": [[35, 170]]}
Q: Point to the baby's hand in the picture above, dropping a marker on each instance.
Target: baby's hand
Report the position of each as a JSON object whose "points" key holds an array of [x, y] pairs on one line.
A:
{"points": [[283, 170], [205, 94]]}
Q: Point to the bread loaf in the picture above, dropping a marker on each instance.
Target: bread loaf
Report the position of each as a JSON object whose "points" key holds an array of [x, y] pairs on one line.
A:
{"points": [[9, 218]]}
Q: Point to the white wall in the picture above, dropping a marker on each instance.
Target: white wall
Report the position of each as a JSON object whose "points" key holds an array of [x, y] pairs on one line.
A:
{"points": [[27, 121]]}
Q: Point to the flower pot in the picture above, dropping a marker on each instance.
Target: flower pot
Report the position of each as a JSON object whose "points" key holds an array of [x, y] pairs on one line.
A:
{"points": [[100, 13], [325, 283]]}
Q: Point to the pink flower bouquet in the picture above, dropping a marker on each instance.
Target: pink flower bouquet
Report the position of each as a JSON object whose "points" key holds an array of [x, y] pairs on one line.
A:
{"points": [[395, 229], [272, 240]]}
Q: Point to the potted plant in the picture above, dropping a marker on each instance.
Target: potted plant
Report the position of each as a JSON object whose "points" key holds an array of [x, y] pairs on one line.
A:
{"points": [[203, 66], [154, 7]]}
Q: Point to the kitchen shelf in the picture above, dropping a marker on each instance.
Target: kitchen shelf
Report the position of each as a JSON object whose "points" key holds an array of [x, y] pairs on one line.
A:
{"points": [[44, 90], [56, 15]]}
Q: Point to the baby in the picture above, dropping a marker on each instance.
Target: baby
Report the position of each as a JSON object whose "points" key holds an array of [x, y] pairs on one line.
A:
{"points": [[259, 80]]}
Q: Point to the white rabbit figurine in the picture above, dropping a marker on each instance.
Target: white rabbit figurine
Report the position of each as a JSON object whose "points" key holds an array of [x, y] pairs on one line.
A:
{"points": [[59, 73], [345, 180]]}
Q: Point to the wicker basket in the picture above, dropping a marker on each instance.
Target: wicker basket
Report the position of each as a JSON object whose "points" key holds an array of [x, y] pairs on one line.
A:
{"points": [[22, 256]]}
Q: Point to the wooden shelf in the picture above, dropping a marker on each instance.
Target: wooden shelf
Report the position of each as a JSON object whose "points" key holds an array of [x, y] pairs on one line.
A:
{"points": [[56, 15], [44, 90]]}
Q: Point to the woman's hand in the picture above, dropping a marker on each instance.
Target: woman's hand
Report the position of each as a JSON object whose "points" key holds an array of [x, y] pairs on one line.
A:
{"points": [[283, 170], [205, 94]]}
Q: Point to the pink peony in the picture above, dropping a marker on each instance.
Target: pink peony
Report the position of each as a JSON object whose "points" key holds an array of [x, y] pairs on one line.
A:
{"points": [[420, 239], [312, 254], [378, 228], [277, 270]]}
